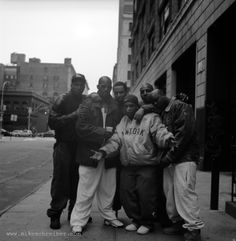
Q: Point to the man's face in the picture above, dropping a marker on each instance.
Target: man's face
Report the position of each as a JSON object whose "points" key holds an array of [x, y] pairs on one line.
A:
{"points": [[119, 93], [144, 93], [77, 88], [130, 109], [104, 88]]}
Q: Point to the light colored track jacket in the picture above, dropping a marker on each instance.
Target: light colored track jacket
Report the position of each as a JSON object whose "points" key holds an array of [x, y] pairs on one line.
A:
{"points": [[139, 144]]}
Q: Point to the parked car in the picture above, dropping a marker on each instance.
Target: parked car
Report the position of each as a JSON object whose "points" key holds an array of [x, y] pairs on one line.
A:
{"points": [[5, 132], [16, 133], [22, 133]]}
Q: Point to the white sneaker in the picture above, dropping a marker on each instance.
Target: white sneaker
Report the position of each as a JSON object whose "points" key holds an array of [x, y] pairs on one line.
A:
{"points": [[143, 230], [77, 230], [131, 227], [114, 223]]}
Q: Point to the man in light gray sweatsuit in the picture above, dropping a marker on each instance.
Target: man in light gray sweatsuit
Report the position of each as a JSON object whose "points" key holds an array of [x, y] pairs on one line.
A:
{"points": [[139, 144]]}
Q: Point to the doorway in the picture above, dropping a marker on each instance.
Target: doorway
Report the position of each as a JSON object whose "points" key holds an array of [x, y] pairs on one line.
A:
{"points": [[221, 94]]}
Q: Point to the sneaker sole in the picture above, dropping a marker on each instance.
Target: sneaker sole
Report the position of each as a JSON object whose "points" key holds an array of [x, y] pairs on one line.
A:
{"points": [[107, 223], [144, 233], [131, 230], [77, 233]]}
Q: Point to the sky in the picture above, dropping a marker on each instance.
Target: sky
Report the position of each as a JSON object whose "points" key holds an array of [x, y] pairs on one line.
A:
{"points": [[84, 30]]}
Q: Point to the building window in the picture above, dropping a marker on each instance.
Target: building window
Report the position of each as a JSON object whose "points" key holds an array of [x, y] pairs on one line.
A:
{"points": [[128, 9], [142, 21], [129, 58], [137, 70], [143, 59], [151, 10], [45, 82], [24, 106], [16, 106], [130, 26], [160, 83], [129, 44], [135, 6], [8, 105], [55, 82], [129, 76], [31, 81], [151, 43], [165, 17]]}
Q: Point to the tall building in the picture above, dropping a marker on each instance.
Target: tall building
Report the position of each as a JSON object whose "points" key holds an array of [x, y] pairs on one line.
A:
{"points": [[25, 110], [46, 79], [189, 46], [123, 67], [32, 86]]}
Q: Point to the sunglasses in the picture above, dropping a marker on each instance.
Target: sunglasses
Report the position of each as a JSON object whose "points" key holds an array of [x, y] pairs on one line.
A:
{"points": [[144, 91]]}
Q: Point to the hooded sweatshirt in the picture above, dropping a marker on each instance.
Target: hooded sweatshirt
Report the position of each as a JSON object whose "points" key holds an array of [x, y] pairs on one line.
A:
{"points": [[139, 143]]}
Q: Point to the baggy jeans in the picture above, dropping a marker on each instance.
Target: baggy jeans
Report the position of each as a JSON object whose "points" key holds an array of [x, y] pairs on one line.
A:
{"points": [[181, 198], [94, 181]]}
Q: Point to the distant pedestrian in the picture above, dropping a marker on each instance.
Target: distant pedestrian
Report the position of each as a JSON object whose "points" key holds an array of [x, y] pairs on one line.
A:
{"points": [[180, 165], [97, 117], [62, 119]]}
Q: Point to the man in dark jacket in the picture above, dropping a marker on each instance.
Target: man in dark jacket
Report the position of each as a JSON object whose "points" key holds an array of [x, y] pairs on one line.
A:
{"points": [[95, 124], [120, 91], [180, 165], [62, 119]]}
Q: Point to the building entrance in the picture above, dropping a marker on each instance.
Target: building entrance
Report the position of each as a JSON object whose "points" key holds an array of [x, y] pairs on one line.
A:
{"points": [[184, 69], [220, 153]]}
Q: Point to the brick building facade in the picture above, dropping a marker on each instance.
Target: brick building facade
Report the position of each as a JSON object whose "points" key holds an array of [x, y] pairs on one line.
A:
{"points": [[32, 85], [188, 46], [17, 103]]}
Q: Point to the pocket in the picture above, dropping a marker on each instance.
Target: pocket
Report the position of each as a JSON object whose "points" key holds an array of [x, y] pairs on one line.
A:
{"points": [[191, 175]]}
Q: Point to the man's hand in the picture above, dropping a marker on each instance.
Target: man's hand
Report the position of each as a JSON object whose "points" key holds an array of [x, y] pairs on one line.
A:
{"points": [[139, 114], [98, 155]]}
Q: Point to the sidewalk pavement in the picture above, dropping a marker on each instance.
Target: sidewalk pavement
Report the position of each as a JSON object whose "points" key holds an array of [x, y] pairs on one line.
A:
{"points": [[27, 220]]}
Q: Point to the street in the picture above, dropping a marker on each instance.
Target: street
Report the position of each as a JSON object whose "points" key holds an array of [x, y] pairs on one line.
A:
{"points": [[25, 164], [25, 172]]}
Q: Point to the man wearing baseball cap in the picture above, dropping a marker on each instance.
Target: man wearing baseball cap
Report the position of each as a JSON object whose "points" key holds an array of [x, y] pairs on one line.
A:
{"points": [[62, 118]]}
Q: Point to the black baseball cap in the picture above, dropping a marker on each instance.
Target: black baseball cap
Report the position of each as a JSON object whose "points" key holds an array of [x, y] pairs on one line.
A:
{"points": [[78, 78]]}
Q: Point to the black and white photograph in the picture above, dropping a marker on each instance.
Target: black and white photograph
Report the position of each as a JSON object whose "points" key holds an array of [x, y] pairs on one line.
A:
{"points": [[117, 120]]}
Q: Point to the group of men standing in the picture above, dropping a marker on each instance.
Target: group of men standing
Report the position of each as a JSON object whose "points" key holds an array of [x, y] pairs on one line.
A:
{"points": [[98, 153]]}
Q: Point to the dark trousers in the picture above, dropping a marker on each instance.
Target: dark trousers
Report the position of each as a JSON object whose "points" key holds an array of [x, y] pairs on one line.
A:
{"points": [[65, 178], [139, 194], [116, 203]]}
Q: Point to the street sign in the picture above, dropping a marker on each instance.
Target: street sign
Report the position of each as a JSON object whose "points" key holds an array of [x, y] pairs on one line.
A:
{"points": [[29, 110]]}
